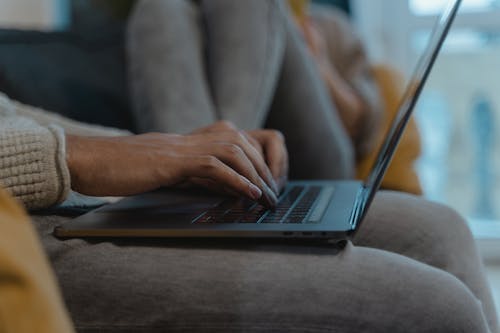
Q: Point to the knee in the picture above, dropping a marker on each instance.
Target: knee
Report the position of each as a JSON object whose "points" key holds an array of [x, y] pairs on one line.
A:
{"points": [[445, 230], [448, 306], [428, 220], [147, 15], [409, 296], [426, 231]]}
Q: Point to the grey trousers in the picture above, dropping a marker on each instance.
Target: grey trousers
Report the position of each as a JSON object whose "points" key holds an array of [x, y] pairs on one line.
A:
{"points": [[413, 267], [192, 63]]}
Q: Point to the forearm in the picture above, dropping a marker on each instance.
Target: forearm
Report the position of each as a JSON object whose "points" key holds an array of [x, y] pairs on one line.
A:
{"points": [[33, 164]]}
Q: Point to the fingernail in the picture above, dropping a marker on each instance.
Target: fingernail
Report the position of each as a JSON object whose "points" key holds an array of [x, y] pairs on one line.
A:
{"points": [[255, 191], [271, 197]]}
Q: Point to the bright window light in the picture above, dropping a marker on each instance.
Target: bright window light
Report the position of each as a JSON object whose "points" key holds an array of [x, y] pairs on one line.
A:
{"points": [[432, 7]]}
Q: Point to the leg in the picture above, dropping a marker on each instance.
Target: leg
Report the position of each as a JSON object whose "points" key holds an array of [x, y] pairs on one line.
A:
{"points": [[215, 286], [245, 51], [302, 109], [167, 68], [432, 234]]}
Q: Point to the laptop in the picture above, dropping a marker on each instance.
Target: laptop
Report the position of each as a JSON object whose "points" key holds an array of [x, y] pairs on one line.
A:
{"points": [[332, 210]]}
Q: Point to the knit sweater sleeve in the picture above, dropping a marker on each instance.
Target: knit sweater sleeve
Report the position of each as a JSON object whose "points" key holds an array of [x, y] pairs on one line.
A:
{"points": [[33, 153], [32, 162]]}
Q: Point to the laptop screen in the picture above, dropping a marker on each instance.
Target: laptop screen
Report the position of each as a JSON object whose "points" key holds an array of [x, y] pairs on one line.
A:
{"points": [[408, 102]]}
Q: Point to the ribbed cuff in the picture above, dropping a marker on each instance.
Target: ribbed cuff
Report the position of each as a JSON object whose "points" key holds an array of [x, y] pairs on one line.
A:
{"points": [[32, 162]]}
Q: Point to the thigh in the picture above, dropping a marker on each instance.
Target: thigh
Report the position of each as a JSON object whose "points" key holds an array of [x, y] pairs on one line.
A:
{"points": [[430, 233], [417, 228], [158, 286]]}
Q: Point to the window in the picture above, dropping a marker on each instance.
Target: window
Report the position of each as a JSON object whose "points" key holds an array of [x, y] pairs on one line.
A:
{"points": [[34, 14], [433, 7], [459, 111]]}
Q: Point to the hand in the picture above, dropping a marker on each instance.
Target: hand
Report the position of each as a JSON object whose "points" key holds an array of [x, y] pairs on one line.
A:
{"points": [[129, 165], [273, 148], [270, 144]]}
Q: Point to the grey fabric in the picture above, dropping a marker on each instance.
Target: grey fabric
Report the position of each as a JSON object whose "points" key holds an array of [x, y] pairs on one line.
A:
{"points": [[243, 63], [170, 101], [193, 63], [375, 285], [302, 110]]}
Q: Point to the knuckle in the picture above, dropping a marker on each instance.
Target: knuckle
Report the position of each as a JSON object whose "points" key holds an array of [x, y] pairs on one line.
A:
{"points": [[277, 135], [226, 125], [232, 149], [240, 138], [233, 137], [209, 162]]}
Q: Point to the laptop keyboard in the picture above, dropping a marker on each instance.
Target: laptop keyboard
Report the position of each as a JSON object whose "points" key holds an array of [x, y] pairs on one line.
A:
{"points": [[293, 207]]}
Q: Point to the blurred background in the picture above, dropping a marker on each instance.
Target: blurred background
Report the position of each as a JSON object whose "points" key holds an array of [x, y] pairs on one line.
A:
{"points": [[458, 114]]}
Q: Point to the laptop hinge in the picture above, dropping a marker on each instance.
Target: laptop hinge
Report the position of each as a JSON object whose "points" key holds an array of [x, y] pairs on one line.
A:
{"points": [[358, 207]]}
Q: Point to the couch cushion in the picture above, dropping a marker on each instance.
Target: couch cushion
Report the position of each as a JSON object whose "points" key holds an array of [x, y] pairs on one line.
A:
{"points": [[81, 78]]}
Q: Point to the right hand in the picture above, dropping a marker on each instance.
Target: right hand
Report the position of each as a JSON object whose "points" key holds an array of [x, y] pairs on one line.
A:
{"points": [[269, 144], [120, 166]]}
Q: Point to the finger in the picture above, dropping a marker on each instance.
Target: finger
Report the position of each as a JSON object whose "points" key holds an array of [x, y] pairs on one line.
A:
{"points": [[275, 153], [212, 168], [256, 144], [256, 158], [239, 139], [234, 157], [277, 159]]}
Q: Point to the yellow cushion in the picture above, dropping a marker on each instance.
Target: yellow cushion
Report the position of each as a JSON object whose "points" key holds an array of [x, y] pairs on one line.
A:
{"points": [[401, 174], [299, 8], [29, 298]]}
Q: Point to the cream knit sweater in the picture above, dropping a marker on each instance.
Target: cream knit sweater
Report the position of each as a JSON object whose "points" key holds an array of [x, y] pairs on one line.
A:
{"points": [[33, 152]]}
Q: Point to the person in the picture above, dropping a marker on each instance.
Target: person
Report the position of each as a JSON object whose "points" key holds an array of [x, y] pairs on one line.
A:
{"points": [[413, 266], [217, 156], [348, 75], [268, 73], [245, 63], [344, 67]]}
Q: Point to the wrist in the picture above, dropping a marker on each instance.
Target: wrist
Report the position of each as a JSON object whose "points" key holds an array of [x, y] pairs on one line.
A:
{"points": [[74, 157]]}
